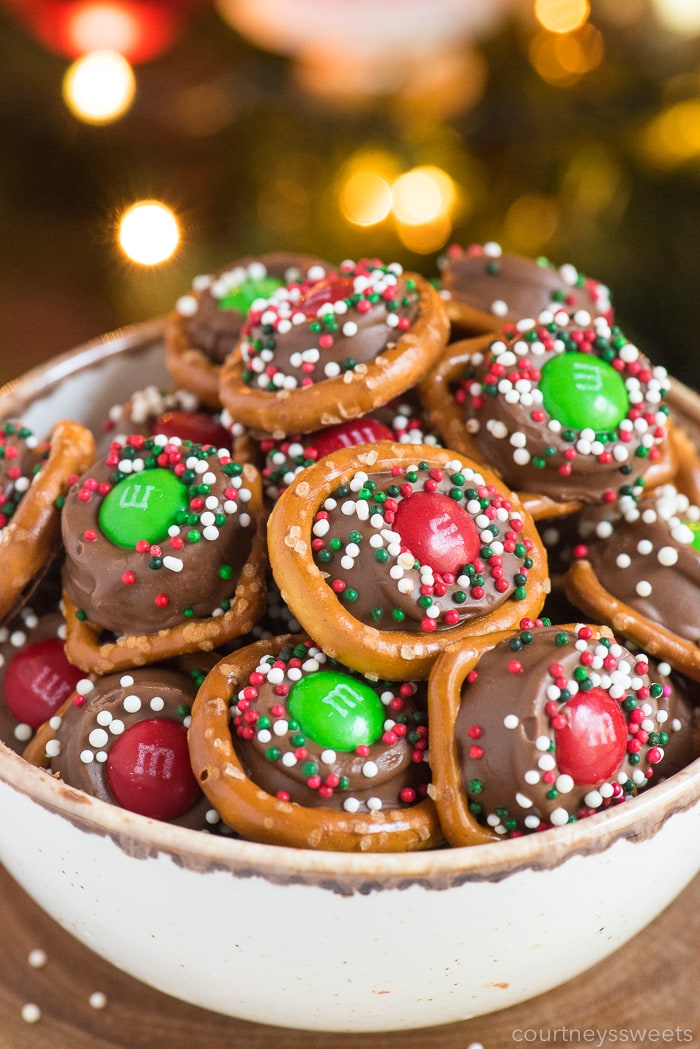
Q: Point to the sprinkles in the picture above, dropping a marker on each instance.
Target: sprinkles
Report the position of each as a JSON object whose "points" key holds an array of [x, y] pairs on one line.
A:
{"points": [[357, 541], [598, 735]]}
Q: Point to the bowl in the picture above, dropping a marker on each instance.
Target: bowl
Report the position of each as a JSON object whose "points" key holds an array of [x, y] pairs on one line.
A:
{"points": [[322, 940]]}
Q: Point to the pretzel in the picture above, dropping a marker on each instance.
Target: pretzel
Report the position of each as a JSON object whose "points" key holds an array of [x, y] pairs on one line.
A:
{"points": [[316, 356], [341, 516], [29, 539], [165, 554], [565, 410], [271, 747], [534, 728], [205, 324], [486, 288]]}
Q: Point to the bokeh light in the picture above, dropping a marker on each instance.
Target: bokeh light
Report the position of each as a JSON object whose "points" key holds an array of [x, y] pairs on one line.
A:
{"points": [[530, 223], [672, 137], [422, 195], [100, 87], [563, 58], [561, 16], [680, 16], [365, 198], [148, 232], [426, 237]]}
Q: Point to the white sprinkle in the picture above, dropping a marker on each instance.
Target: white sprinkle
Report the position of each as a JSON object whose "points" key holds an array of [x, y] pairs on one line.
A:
{"points": [[523, 801], [351, 804], [559, 817], [97, 1000], [131, 703], [37, 958], [643, 588], [564, 784], [157, 703], [370, 769], [511, 721], [31, 1013], [98, 738]]}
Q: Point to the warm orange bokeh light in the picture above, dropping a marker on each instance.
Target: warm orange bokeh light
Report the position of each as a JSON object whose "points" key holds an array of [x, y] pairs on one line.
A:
{"points": [[365, 198], [562, 59]]}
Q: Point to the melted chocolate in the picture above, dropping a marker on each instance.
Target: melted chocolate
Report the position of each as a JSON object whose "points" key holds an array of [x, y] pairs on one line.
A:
{"points": [[307, 334], [190, 571], [21, 456], [510, 287], [532, 449], [215, 328], [280, 754], [646, 553], [104, 712], [554, 726], [383, 582]]}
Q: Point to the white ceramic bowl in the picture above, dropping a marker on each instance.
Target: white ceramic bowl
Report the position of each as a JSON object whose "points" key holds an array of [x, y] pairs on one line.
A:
{"points": [[317, 940]]}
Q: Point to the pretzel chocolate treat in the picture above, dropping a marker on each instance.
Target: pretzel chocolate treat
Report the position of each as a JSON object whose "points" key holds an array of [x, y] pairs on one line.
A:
{"points": [[293, 748], [34, 478], [165, 552], [315, 355], [637, 567], [566, 410], [206, 323], [123, 738], [388, 552], [486, 288], [536, 728]]}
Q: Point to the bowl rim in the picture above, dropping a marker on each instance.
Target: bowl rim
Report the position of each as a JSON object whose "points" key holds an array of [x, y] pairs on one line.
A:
{"points": [[636, 820]]}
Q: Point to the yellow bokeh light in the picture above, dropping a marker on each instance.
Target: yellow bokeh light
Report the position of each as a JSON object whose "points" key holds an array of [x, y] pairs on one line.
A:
{"points": [[530, 223], [673, 137], [561, 16], [426, 237], [365, 198], [149, 232], [422, 195], [100, 87]]}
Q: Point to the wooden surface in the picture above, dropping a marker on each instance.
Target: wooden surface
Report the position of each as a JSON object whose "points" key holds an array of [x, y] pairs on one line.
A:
{"points": [[651, 985]]}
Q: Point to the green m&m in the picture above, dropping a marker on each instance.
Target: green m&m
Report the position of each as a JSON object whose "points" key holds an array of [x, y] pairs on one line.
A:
{"points": [[242, 297], [337, 710], [142, 506], [694, 527], [582, 391]]}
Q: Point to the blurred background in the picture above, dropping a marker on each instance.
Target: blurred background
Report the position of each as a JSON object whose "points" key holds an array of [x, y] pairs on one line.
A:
{"points": [[346, 128]]}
